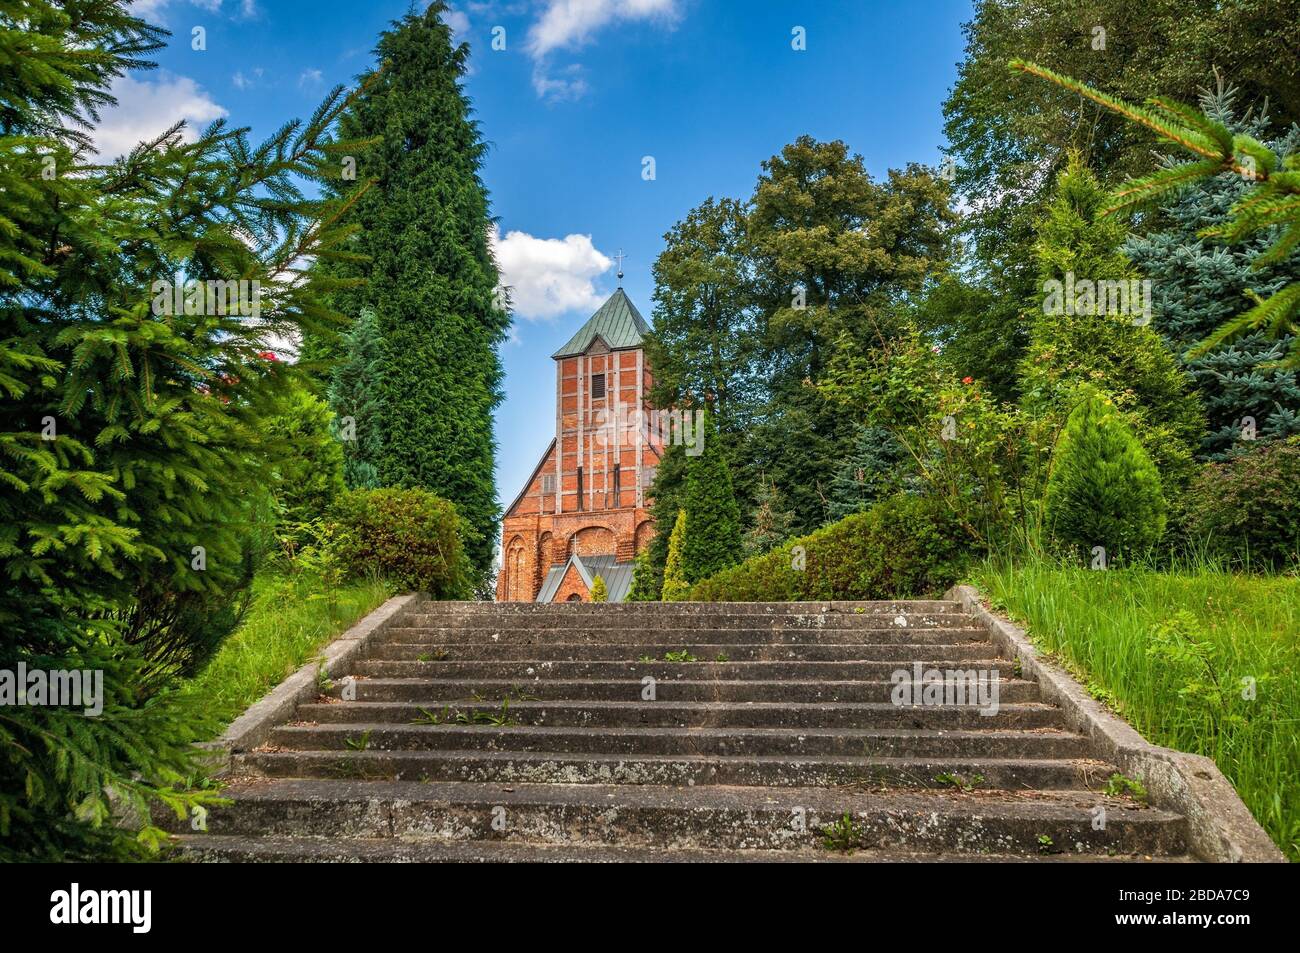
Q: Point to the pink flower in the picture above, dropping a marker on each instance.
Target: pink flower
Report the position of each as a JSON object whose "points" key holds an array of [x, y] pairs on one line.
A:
{"points": [[968, 380]]}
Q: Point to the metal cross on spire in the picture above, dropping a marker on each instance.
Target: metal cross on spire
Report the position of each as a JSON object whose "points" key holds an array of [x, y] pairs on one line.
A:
{"points": [[620, 256]]}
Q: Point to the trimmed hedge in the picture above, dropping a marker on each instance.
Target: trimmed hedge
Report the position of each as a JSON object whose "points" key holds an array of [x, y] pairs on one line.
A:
{"points": [[904, 547], [408, 536], [1247, 509]]}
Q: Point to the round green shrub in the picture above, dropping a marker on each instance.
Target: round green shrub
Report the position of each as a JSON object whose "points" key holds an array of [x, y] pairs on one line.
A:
{"points": [[1246, 510], [903, 547], [409, 536], [1103, 489]]}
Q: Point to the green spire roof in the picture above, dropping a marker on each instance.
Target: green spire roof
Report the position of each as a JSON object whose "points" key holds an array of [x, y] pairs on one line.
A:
{"points": [[618, 323]]}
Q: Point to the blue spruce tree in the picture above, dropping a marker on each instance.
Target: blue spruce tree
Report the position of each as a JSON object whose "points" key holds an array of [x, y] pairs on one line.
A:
{"points": [[1198, 283]]}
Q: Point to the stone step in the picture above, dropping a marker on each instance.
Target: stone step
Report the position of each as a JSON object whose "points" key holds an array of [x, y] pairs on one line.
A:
{"points": [[213, 848], [571, 610], [528, 672], [753, 621], [685, 688], [694, 714], [558, 767], [718, 816], [669, 636], [879, 742], [705, 651]]}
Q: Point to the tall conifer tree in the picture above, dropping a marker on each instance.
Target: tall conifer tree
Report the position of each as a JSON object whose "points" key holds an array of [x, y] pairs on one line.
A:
{"points": [[429, 273]]}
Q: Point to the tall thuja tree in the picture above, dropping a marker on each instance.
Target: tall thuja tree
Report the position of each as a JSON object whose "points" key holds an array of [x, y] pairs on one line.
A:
{"points": [[133, 448], [430, 276], [1100, 340], [835, 253], [1199, 283], [353, 393], [713, 538]]}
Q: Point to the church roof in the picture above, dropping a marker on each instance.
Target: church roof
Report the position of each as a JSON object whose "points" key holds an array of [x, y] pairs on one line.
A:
{"points": [[617, 576], [617, 322]]}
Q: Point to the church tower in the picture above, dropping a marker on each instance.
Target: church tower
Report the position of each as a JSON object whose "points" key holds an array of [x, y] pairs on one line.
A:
{"points": [[584, 511]]}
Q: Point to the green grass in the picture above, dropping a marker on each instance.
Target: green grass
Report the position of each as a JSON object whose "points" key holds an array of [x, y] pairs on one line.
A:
{"points": [[289, 622], [1173, 652]]}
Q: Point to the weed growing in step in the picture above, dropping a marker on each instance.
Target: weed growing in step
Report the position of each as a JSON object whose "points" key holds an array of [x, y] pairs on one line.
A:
{"points": [[843, 835], [1046, 845], [360, 743], [683, 656], [958, 782], [1119, 786], [722, 657], [324, 684]]}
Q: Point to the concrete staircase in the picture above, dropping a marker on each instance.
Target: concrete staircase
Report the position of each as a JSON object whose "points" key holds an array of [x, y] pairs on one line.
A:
{"points": [[484, 732]]}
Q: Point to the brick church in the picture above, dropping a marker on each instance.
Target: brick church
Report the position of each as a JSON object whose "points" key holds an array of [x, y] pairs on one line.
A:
{"points": [[584, 512]]}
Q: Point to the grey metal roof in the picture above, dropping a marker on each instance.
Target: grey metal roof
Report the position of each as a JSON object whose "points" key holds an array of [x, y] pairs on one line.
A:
{"points": [[617, 576], [617, 322]]}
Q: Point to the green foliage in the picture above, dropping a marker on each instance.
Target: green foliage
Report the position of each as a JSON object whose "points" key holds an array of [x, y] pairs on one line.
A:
{"points": [[1009, 138], [428, 276], [949, 435], [134, 441], [1103, 489], [1073, 343], [599, 592], [409, 537], [1246, 510], [1272, 205], [675, 586], [307, 474], [353, 394], [667, 495], [713, 540], [645, 585], [867, 474], [752, 297], [769, 527], [1199, 283], [903, 547]]}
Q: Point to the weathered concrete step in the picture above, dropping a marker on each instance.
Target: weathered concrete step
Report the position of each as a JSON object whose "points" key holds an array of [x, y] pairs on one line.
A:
{"points": [[665, 609], [702, 650], [878, 742], [665, 637], [213, 848], [686, 688], [728, 817], [558, 767], [698, 623], [695, 714], [662, 671]]}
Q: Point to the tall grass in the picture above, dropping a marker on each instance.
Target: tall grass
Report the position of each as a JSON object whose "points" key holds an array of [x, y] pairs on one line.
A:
{"points": [[1176, 652], [291, 619]]}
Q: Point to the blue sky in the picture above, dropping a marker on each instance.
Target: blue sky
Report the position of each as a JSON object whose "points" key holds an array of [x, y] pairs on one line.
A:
{"points": [[582, 92]]}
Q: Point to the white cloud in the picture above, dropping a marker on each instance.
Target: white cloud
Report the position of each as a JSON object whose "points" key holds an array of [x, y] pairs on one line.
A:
{"points": [[548, 277], [309, 78], [144, 109], [242, 81], [569, 24], [457, 20]]}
